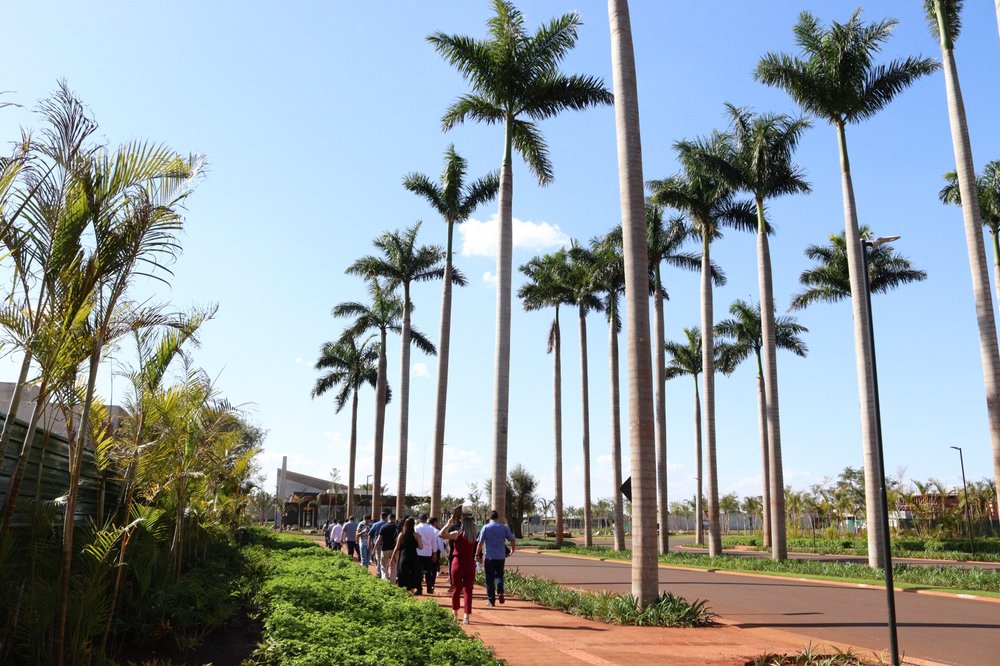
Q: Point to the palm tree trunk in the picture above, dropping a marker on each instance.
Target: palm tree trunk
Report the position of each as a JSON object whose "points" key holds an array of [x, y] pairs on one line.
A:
{"points": [[997, 3], [444, 349], [379, 427], [404, 404], [616, 440], [588, 536], [645, 574], [708, 377], [659, 370], [862, 353], [352, 462], [766, 496], [971, 216], [699, 528], [557, 421], [69, 521], [779, 548], [501, 372]]}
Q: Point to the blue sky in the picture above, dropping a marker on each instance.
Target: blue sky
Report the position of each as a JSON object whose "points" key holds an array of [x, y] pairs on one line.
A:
{"points": [[311, 113]]}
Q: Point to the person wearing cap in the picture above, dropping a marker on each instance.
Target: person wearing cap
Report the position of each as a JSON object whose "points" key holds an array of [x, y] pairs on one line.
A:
{"points": [[493, 540]]}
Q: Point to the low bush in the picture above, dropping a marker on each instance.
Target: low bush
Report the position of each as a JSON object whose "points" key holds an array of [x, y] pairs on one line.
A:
{"points": [[320, 608], [952, 578], [608, 607]]}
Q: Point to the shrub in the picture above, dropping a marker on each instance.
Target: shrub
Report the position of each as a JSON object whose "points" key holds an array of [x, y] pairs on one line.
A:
{"points": [[321, 608]]}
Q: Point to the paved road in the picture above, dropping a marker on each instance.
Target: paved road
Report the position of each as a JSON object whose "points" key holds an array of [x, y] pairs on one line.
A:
{"points": [[943, 629]]}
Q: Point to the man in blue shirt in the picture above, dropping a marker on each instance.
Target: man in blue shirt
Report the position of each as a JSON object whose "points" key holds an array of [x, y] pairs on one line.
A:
{"points": [[493, 540], [372, 535]]}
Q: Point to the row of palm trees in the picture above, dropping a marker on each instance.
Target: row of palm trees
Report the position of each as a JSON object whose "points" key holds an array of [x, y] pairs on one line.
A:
{"points": [[515, 81], [80, 224]]}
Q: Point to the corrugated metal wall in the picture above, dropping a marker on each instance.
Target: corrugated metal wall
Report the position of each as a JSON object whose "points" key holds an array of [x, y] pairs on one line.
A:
{"points": [[47, 475]]}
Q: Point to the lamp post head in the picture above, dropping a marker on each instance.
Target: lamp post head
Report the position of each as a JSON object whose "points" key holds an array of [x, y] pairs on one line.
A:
{"points": [[882, 240], [957, 448]]}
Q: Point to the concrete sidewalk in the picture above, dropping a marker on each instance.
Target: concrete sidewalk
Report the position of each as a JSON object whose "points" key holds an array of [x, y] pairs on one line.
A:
{"points": [[526, 634]]}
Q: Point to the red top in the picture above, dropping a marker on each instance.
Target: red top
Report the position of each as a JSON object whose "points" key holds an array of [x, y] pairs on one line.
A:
{"points": [[465, 552]]}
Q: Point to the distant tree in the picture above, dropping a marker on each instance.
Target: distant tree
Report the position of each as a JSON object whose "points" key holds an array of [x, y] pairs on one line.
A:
{"points": [[523, 487]]}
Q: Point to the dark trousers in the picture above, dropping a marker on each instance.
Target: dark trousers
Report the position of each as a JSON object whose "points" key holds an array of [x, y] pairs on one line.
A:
{"points": [[428, 570], [493, 570], [352, 547]]}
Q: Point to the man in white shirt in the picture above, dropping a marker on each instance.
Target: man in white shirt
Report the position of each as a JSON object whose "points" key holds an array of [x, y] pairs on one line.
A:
{"points": [[335, 532], [428, 563]]}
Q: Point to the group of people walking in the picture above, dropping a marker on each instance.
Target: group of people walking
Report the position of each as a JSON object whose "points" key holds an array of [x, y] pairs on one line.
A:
{"points": [[410, 554]]}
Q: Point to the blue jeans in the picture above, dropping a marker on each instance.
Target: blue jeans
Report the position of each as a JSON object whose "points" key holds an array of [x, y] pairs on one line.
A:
{"points": [[493, 572], [365, 557]]}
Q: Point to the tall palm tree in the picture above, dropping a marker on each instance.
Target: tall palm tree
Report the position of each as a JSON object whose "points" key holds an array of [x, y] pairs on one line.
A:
{"points": [[665, 242], [645, 575], [455, 201], [547, 287], [761, 165], [401, 264], [837, 79], [348, 364], [988, 191], [515, 81], [383, 314], [710, 204], [610, 280], [829, 280], [581, 279], [946, 24], [742, 336], [686, 359]]}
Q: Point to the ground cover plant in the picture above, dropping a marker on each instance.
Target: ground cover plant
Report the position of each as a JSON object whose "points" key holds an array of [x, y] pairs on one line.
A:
{"points": [[318, 607], [608, 607], [986, 549], [808, 656], [945, 578]]}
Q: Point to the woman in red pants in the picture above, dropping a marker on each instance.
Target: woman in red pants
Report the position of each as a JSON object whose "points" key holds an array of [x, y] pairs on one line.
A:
{"points": [[463, 565]]}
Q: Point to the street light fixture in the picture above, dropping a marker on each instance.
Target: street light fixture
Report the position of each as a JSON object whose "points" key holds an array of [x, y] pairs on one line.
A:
{"points": [[965, 486], [885, 545]]}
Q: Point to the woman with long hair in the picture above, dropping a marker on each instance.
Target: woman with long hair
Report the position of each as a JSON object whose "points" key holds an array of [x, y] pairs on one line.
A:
{"points": [[463, 564], [408, 571]]}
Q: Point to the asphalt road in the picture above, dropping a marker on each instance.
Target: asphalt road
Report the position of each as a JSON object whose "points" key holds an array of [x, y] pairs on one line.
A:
{"points": [[944, 629]]}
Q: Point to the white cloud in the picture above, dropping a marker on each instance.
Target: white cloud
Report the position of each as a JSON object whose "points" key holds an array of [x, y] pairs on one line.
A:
{"points": [[300, 361], [479, 238], [490, 278], [420, 370]]}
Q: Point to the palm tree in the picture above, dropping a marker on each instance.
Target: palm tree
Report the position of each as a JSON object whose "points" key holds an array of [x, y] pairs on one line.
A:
{"points": [[945, 24], [546, 287], [581, 279], [645, 575], [665, 242], [455, 202], [828, 281], [837, 79], [514, 76], [401, 264], [742, 337], [709, 203], [610, 280], [383, 314], [348, 364], [761, 164], [686, 359], [988, 191]]}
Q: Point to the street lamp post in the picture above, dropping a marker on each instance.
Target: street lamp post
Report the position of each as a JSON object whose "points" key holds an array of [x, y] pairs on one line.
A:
{"points": [[965, 486], [885, 545]]}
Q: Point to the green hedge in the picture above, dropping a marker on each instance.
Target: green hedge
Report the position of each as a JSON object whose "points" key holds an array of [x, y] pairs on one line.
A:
{"points": [[321, 608]]}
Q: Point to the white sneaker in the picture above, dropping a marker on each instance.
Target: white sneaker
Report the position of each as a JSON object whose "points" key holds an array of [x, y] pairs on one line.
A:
{"points": [[466, 620]]}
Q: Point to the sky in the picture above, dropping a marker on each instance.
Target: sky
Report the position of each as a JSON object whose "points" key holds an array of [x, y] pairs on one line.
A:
{"points": [[310, 114]]}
